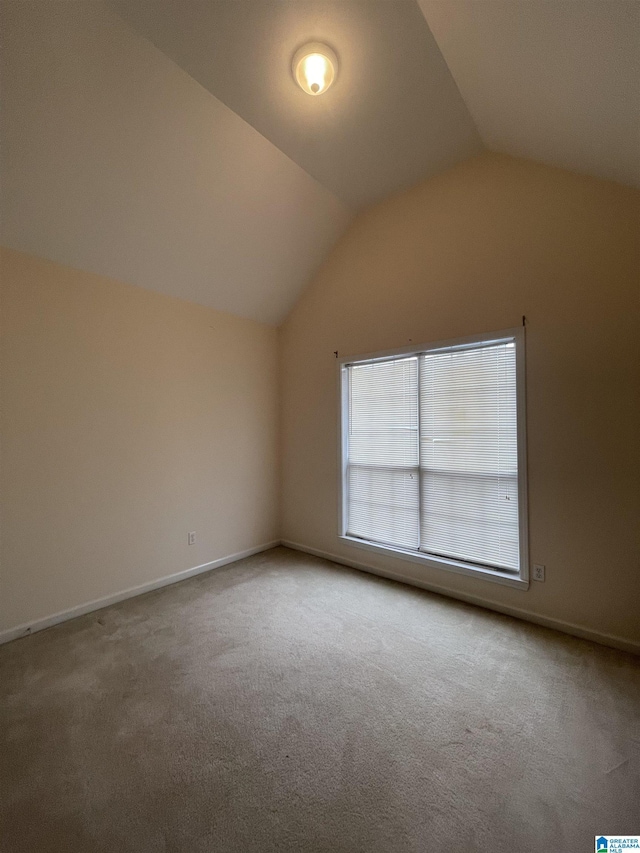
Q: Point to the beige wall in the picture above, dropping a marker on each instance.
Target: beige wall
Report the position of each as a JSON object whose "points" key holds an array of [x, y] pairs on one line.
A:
{"points": [[472, 251], [129, 418]]}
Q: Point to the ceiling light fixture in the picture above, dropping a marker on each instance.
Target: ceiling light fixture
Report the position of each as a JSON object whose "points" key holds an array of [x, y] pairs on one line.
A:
{"points": [[315, 67]]}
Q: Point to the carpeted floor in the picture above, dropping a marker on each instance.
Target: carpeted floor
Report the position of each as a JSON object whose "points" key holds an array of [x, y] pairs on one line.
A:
{"points": [[288, 704]]}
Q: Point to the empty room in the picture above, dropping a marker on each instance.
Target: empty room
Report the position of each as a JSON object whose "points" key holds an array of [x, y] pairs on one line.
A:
{"points": [[319, 426]]}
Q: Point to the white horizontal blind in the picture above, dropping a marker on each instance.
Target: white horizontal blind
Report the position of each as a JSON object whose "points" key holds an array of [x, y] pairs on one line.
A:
{"points": [[469, 455], [382, 465]]}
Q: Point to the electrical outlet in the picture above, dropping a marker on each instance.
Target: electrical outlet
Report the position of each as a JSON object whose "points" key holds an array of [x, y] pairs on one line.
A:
{"points": [[538, 572], [192, 538]]}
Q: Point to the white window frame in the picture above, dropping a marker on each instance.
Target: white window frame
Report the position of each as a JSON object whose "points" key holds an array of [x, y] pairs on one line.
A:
{"points": [[519, 579]]}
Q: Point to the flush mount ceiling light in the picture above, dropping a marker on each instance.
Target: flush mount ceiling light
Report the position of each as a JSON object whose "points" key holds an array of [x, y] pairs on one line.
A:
{"points": [[315, 67]]}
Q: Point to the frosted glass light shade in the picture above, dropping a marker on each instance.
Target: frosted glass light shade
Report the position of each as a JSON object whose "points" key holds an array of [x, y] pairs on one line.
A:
{"points": [[315, 67]]}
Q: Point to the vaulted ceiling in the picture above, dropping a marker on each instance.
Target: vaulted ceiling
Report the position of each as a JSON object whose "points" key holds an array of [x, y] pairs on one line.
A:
{"points": [[116, 161], [165, 143], [553, 80], [393, 117]]}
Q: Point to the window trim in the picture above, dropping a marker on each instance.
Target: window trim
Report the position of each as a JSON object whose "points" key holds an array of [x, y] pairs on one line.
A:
{"points": [[515, 335]]}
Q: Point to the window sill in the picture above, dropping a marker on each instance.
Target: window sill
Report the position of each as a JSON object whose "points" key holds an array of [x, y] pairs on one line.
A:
{"points": [[440, 563]]}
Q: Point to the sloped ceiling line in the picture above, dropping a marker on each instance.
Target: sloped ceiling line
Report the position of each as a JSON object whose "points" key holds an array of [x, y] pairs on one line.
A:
{"points": [[114, 160], [165, 144], [556, 81], [393, 117]]}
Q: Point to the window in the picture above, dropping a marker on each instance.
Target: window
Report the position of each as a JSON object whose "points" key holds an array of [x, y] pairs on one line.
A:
{"points": [[433, 455]]}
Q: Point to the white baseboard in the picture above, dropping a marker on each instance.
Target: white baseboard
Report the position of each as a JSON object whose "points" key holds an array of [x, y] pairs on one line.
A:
{"points": [[519, 613], [80, 609]]}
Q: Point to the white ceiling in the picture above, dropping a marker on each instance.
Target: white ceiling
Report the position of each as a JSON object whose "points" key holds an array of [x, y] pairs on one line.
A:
{"points": [[116, 161], [553, 80], [393, 117], [164, 142]]}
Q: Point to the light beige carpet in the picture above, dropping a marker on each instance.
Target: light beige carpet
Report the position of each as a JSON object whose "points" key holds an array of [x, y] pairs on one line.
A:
{"points": [[288, 704]]}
